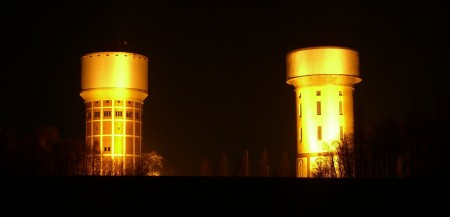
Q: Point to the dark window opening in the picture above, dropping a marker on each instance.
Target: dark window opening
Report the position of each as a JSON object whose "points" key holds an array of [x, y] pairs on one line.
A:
{"points": [[300, 110], [319, 133], [319, 108]]}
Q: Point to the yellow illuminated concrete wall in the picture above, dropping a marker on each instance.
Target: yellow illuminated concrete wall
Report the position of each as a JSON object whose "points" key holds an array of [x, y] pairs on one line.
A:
{"points": [[323, 78], [114, 86]]}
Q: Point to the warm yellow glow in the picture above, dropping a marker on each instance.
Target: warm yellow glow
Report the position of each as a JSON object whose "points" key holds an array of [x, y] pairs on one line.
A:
{"points": [[114, 69], [118, 145], [113, 93], [322, 60], [323, 78], [114, 86]]}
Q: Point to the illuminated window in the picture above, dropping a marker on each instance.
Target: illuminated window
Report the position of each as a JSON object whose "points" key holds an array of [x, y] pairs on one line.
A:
{"points": [[340, 93], [118, 113], [318, 93], [107, 113], [319, 108], [96, 114], [340, 108], [341, 132], [319, 133]]}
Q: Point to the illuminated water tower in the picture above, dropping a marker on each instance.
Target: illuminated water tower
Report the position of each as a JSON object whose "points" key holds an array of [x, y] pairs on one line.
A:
{"points": [[114, 86], [323, 78]]}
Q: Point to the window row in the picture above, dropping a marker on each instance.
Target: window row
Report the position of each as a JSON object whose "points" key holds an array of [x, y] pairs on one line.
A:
{"points": [[319, 133], [107, 113], [319, 108], [318, 93]]}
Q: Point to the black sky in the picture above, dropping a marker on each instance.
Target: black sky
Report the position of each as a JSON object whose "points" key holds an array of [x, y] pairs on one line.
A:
{"points": [[217, 68]]}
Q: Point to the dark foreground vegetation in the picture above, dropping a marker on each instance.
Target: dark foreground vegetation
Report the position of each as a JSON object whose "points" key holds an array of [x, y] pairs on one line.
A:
{"points": [[218, 196]]}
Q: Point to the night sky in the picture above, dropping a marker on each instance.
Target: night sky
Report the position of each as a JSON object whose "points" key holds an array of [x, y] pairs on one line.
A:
{"points": [[217, 69]]}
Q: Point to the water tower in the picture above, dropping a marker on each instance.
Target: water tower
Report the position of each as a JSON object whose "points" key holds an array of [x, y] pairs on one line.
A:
{"points": [[114, 86], [323, 78]]}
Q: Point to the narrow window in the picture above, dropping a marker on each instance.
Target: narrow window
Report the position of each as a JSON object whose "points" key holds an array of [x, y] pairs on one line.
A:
{"points": [[319, 133], [118, 113], [341, 132], [137, 115], [301, 134], [299, 109], [129, 114], [340, 108], [96, 114], [319, 108], [299, 95], [340, 93], [89, 115], [318, 93], [107, 113]]}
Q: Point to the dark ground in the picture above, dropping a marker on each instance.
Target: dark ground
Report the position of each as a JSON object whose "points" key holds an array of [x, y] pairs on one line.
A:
{"points": [[229, 196]]}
